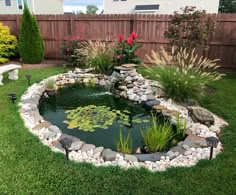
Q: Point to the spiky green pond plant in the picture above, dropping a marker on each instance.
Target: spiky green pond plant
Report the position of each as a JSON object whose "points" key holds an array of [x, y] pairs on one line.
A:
{"points": [[124, 144], [157, 136]]}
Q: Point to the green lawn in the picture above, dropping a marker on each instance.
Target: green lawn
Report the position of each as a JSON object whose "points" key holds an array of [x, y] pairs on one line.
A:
{"points": [[27, 166]]}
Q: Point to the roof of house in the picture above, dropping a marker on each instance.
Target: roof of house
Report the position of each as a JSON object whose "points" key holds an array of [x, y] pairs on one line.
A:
{"points": [[147, 7]]}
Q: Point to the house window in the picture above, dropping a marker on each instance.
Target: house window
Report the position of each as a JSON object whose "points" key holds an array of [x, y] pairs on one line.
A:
{"points": [[21, 3], [8, 2]]}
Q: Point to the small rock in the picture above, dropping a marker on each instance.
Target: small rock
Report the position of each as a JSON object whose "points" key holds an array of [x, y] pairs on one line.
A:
{"points": [[49, 135], [108, 155], [87, 147], [138, 151], [76, 145], [150, 97], [171, 154], [128, 78], [98, 149], [131, 158], [54, 129], [188, 152], [150, 157]]}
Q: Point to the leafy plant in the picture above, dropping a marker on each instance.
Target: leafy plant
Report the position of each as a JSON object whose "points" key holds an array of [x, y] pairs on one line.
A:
{"points": [[124, 144], [183, 74], [180, 128], [8, 44], [126, 50], [50, 83], [190, 29], [98, 55], [156, 137], [31, 45], [68, 46]]}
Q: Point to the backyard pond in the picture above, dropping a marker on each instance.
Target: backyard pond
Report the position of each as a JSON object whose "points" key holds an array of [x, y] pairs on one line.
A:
{"points": [[95, 116]]}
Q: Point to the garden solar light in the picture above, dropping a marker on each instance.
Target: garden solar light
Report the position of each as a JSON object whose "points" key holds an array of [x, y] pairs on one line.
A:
{"points": [[12, 97], [212, 142], [66, 143], [28, 77]]}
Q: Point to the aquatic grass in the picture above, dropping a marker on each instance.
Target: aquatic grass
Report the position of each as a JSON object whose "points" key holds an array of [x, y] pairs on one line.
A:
{"points": [[157, 136], [50, 83], [124, 143]]}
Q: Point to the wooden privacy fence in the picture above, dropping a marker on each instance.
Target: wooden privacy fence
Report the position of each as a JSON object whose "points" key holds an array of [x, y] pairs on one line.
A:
{"points": [[150, 30]]}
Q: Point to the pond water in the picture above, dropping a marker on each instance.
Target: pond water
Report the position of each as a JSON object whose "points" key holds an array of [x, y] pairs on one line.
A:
{"points": [[119, 115]]}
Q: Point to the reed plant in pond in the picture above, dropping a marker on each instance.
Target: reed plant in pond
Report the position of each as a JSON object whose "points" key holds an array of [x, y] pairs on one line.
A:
{"points": [[124, 143], [157, 136]]}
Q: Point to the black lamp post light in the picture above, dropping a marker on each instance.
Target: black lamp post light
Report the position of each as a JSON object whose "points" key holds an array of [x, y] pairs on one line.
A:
{"points": [[212, 142], [28, 77], [66, 143], [12, 97]]}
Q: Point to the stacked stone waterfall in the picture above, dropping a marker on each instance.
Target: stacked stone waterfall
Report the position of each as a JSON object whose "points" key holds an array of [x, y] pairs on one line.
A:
{"points": [[132, 85]]}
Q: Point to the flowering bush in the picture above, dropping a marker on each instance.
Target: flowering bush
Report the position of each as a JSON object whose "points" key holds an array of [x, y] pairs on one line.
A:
{"points": [[183, 74], [126, 50], [68, 46]]}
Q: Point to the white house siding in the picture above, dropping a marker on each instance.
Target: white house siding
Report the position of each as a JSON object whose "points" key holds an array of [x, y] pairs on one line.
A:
{"points": [[35, 6], [166, 6]]}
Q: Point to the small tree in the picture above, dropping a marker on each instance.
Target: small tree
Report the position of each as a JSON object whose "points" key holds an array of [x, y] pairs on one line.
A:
{"points": [[8, 44], [30, 42], [227, 6], [91, 9], [190, 29]]}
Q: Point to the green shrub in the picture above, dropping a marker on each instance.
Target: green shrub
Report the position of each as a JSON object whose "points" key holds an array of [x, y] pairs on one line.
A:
{"points": [[50, 83], [190, 29], [68, 47], [31, 43], [124, 144], [157, 137], [98, 55], [8, 44], [183, 74]]}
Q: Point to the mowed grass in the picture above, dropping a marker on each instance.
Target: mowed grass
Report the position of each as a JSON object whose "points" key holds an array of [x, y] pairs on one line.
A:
{"points": [[27, 166]]}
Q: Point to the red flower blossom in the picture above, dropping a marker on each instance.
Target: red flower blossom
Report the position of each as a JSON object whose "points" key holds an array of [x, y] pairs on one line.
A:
{"points": [[129, 40], [119, 56], [120, 37], [67, 49], [133, 35]]}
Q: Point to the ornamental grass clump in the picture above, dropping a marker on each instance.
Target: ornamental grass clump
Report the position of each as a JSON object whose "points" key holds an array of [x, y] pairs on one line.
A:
{"points": [[157, 137], [124, 144], [183, 74], [98, 55]]}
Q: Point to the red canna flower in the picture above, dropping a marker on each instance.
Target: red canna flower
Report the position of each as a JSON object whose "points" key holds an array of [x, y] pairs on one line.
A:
{"points": [[129, 40], [119, 56], [133, 35], [120, 37]]}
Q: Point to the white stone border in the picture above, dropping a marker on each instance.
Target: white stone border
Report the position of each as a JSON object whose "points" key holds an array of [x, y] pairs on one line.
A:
{"points": [[50, 134]]}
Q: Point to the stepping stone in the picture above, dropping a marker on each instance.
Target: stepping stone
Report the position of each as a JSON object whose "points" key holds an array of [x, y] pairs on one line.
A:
{"points": [[76, 145], [42, 125], [129, 65], [98, 150], [192, 140]]}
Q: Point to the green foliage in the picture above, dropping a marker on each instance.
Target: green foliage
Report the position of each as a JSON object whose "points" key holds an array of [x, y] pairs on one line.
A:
{"points": [[98, 55], [183, 74], [124, 144], [126, 50], [50, 83], [8, 44], [190, 29], [90, 117], [180, 129], [31, 45], [91, 9], [68, 47], [157, 137], [227, 6]]}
